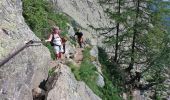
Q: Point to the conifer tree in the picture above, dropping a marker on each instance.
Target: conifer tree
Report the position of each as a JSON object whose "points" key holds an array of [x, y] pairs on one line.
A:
{"points": [[144, 42]]}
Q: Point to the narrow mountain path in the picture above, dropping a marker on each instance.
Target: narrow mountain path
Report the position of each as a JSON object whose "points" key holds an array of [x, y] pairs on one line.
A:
{"points": [[56, 66], [78, 57]]}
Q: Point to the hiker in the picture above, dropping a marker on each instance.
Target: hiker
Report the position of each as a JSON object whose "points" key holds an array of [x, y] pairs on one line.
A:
{"points": [[63, 44], [56, 42], [79, 37]]}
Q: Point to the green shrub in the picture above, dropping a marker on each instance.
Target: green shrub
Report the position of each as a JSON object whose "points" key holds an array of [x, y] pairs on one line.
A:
{"points": [[87, 73], [74, 69], [73, 41], [40, 17], [112, 87], [51, 72]]}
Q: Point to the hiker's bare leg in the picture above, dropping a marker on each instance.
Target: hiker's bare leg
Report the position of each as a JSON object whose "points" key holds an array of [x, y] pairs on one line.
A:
{"points": [[79, 41], [57, 56], [80, 44], [64, 48]]}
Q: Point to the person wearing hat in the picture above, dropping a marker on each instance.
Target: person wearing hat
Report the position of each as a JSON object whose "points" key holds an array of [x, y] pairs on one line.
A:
{"points": [[56, 41]]}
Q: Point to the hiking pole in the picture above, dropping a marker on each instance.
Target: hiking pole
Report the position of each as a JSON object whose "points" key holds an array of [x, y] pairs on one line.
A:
{"points": [[16, 52]]}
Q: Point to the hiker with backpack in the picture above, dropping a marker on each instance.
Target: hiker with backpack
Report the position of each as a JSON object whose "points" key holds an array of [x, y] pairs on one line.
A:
{"points": [[79, 37], [56, 41]]}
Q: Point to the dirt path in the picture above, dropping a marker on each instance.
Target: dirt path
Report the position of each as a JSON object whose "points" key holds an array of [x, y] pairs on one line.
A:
{"points": [[78, 57]]}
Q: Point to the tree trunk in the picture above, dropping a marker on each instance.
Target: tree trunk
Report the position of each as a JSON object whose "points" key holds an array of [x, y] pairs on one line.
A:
{"points": [[134, 39], [117, 34]]}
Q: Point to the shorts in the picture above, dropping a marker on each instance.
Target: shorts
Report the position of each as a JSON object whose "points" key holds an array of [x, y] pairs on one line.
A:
{"points": [[58, 49]]}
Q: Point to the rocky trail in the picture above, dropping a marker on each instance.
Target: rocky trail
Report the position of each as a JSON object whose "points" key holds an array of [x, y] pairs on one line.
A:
{"points": [[78, 57], [62, 76]]}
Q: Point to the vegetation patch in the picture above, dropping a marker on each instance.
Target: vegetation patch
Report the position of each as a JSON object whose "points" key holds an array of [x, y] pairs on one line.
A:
{"points": [[73, 41], [112, 89], [51, 71], [40, 17], [87, 73], [74, 69]]}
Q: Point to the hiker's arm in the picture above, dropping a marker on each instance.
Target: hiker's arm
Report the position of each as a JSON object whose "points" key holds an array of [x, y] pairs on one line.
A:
{"points": [[49, 39]]}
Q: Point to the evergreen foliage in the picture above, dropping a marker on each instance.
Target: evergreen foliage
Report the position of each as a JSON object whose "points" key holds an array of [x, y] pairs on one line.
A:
{"points": [[138, 26], [143, 35]]}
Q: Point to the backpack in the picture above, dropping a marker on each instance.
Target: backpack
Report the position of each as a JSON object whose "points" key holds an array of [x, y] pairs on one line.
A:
{"points": [[52, 41]]}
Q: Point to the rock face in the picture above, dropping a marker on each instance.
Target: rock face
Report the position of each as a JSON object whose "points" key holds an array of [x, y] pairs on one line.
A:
{"points": [[27, 69], [85, 14], [67, 88], [100, 80], [94, 53]]}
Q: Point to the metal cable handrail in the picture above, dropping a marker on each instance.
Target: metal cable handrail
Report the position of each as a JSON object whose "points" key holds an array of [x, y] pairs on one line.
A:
{"points": [[16, 52]]}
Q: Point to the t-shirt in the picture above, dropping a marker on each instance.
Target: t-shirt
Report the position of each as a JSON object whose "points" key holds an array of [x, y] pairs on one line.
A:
{"points": [[57, 39]]}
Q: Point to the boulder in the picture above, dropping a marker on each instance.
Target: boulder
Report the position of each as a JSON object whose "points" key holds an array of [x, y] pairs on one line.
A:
{"points": [[94, 52], [100, 80], [68, 88], [70, 50]]}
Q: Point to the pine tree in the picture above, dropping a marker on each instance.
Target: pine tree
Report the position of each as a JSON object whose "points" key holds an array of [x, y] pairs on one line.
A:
{"points": [[115, 12], [145, 35]]}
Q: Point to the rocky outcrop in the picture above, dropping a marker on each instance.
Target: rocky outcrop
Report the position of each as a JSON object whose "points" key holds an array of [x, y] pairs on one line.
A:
{"points": [[23, 74], [94, 56], [27, 69], [67, 88], [87, 14]]}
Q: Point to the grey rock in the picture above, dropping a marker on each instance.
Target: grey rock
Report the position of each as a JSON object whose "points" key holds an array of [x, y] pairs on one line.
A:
{"points": [[100, 80], [70, 50], [94, 52], [86, 14], [98, 66], [68, 88], [38, 93], [27, 69], [71, 30], [86, 93]]}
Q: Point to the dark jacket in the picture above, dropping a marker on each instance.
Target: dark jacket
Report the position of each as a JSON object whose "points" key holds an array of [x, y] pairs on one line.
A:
{"points": [[79, 34]]}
